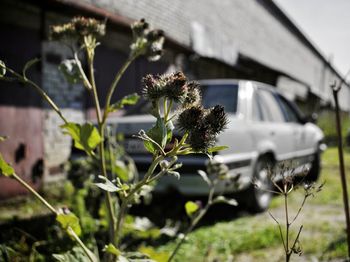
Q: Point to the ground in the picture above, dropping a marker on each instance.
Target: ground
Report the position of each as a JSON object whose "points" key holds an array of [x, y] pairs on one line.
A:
{"points": [[256, 237], [243, 237]]}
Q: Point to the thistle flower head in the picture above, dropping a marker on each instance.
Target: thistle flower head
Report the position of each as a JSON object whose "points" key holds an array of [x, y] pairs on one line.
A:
{"points": [[146, 42], [201, 139], [176, 88], [78, 28], [89, 26], [216, 119], [139, 28], [193, 97], [153, 87], [190, 118]]}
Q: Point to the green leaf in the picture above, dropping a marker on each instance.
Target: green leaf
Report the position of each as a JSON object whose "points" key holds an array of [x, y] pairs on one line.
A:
{"points": [[86, 137], [28, 65], [191, 208], [170, 127], [69, 220], [76, 254], [159, 134], [217, 148], [2, 69], [5, 168], [121, 170], [131, 99], [107, 185], [110, 248]]}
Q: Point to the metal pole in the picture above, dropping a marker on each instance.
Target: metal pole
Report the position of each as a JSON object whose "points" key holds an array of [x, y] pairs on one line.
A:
{"points": [[341, 164]]}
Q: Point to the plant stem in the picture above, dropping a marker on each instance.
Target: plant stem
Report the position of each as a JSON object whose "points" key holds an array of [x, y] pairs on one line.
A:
{"points": [[70, 231], [341, 165], [109, 202], [36, 194], [89, 254], [194, 222], [125, 201], [114, 85], [287, 224], [41, 92]]}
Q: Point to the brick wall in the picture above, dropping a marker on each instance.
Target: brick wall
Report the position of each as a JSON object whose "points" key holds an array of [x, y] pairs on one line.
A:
{"points": [[70, 98]]}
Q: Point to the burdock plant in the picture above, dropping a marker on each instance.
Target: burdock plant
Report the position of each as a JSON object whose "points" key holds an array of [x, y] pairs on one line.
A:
{"points": [[172, 97]]}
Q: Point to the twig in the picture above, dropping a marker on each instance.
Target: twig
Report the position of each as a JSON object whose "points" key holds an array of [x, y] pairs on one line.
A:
{"points": [[336, 89]]}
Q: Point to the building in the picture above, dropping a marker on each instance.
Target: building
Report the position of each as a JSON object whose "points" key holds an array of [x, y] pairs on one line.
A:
{"points": [[208, 39]]}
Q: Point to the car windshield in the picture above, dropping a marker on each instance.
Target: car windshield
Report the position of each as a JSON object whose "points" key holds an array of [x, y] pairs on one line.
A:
{"points": [[225, 95], [212, 95]]}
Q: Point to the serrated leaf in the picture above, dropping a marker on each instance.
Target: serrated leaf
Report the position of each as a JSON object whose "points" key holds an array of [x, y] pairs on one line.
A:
{"points": [[107, 185], [2, 69], [222, 199], [191, 208], [110, 248], [5, 168], [69, 220], [217, 148], [131, 99], [204, 177], [86, 137], [28, 65]]}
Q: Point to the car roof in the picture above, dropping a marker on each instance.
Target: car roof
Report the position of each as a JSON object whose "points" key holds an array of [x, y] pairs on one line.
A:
{"points": [[256, 84]]}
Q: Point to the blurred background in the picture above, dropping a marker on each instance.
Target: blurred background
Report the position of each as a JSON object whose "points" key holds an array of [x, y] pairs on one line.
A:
{"points": [[300, 47]]}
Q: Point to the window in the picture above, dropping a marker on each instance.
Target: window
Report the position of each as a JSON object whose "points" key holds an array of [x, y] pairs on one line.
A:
{"points": [[270, 109], [225, 95], [289, 114], [257, 110]]}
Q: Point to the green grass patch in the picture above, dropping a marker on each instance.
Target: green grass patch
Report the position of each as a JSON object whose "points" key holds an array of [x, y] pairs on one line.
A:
{"points": [[227, 238]]}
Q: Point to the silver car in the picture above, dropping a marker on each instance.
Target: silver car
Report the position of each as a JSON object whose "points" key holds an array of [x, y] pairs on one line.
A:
{"points": [[264, 129]]}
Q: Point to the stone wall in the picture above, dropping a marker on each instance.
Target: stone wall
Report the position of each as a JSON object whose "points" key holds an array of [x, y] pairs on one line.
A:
{"points": [[70, 98]]}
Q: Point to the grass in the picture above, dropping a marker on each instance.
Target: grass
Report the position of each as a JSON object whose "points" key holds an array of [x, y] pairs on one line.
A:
{"points": [[256, 238], [248, 238]]}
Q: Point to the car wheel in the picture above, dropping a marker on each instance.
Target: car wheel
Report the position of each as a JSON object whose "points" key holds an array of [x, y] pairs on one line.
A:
{"points": [[315, 169], [259, 194]]}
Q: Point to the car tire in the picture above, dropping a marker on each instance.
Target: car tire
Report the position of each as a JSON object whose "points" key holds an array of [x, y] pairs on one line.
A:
{"points": [[315, 170], [259, 197]]}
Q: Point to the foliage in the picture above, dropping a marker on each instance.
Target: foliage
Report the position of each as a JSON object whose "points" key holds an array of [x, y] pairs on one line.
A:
{"points": [[172, 96]]}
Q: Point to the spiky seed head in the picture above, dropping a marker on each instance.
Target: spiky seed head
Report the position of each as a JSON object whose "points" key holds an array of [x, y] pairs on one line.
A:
{"points": [[152, 87], [140, 28], [78, 28], [216, 119], [193, 97], [176, 88], [190, 118], [89, 26], [201, 139]]}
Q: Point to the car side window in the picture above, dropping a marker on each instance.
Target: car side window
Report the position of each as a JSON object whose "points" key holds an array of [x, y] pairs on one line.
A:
{"points": [[257, 110], [289, 114], [271, 110]]}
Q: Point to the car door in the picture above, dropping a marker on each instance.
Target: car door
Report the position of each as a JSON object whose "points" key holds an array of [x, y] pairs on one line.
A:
{"points": [[271, 129], [305, 140]]}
